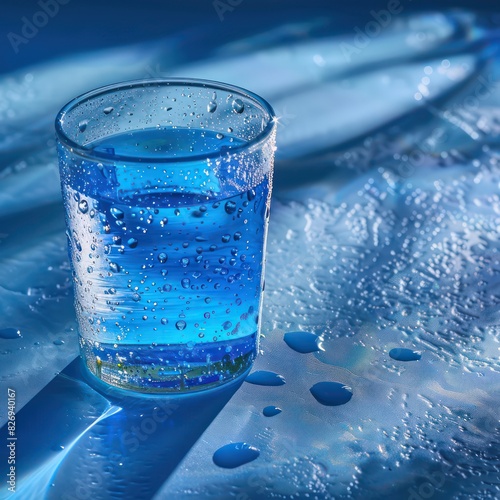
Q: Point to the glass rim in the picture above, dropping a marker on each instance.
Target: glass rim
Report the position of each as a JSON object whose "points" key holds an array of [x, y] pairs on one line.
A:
{"points": [[247, 146]]}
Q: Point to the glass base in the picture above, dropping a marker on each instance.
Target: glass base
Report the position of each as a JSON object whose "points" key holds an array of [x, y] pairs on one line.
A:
{"points": [[169, 368]]}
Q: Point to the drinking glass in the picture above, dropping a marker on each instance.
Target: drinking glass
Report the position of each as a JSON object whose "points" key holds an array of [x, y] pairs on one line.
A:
{"points": [[166, 187]]}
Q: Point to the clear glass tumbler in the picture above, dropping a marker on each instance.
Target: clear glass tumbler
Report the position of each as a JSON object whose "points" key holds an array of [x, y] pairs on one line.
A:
{"points": [[166, 186]]}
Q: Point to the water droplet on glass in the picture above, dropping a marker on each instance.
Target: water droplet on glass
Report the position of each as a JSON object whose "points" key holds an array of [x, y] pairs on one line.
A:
{"points": [[58, 342], [116, 213], [136, 297], [162, 257], [331, 393], [108, 110], [132, 242], [114, 267], [83, 206], [211, 106], [180, 325], [219, 136], [227, 325], [164, 321], [230, 207], [186, 283], [234, 455], [238, 106], [83, 125]]}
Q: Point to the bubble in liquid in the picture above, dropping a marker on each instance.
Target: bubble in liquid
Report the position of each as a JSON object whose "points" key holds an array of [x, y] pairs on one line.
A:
{"points": [[162, 257], [83, 206]]}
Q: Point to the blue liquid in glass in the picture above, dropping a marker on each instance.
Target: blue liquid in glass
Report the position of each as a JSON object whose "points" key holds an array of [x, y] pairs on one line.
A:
{"points": [[167, 259]]}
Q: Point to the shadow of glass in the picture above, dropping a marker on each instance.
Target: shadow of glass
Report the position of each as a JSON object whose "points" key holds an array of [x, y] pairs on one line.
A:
{"points": [[79, 439]]}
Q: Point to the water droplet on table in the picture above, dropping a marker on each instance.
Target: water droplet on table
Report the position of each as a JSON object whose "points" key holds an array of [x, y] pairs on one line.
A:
{"points": [[264, 377], [10, 333], [331, 393], [234, 455], [271, 411], [303, 342], [403, 354]]}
